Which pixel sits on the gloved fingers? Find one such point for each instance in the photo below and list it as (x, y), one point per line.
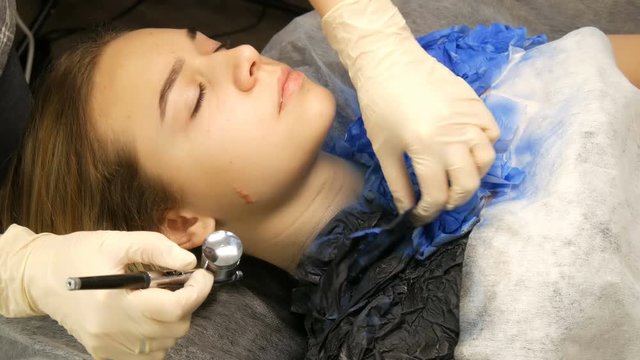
(156, 355)
(463, 175)
(168, 306)
(484, 155)
(151, 346)
(109, 351)
(143, 348)
(104, 347)
(152, 248)
(160, 329)
(489, 126)
(395, 172)
(433, 187)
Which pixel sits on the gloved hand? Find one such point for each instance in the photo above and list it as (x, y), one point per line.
(117, 324)
(411, 103)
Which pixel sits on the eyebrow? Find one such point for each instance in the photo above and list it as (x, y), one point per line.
(168, 84)
(172, 77)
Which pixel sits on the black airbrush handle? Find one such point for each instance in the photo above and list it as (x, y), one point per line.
(140, 280)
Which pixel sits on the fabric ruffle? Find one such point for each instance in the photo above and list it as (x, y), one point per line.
(479, 56)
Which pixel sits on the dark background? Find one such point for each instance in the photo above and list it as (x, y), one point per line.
(62, 23)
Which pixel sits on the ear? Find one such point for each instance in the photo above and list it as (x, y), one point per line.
(186, 228)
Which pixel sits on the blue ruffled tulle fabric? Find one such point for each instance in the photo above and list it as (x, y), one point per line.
(479, 56)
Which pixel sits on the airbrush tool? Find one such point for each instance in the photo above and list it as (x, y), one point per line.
(221, 252)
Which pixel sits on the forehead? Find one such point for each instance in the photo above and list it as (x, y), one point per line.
(129, 75)
(143, 40)
(141, 51)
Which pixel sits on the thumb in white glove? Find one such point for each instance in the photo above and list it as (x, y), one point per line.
(412, 104)
(119, 324)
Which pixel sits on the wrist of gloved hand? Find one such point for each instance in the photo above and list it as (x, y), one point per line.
(16, 246)
(366, 33)
(43, 280)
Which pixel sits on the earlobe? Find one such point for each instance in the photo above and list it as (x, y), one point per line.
(187, 229)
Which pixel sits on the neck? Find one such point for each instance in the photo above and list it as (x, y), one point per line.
(281, 237)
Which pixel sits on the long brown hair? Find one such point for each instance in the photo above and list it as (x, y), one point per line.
(65, 178)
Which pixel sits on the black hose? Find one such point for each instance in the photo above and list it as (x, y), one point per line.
(37, 23)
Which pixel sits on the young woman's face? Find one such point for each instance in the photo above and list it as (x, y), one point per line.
(228, 129)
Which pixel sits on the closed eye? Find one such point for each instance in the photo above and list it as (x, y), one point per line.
(201, 94)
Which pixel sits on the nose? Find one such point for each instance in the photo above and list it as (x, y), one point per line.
(247, 63)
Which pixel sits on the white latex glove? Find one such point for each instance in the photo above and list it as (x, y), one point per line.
(116, 324)
(411, 103)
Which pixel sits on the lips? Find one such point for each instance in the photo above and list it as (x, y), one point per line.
(288, 84)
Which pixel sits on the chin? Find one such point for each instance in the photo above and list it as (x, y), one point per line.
(323, 108)
(313, 116)
(318, 111)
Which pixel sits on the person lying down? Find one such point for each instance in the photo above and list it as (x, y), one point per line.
(166, 130)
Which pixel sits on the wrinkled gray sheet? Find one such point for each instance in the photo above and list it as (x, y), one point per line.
(552, 272)
(236, 323)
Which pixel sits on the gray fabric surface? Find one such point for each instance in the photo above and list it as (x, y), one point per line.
(236, 323)
(7, 29)
(233, 323)
(552, 272)
(554, 18)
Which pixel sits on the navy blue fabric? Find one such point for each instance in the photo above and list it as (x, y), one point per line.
(371, 284)
(366, 296)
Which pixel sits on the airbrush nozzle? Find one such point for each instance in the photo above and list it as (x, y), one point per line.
(221, 253)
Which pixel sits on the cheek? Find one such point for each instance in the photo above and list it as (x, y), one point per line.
(326, 108)
(314, 113)
(291, 146)
(247, 156)
(256, 164)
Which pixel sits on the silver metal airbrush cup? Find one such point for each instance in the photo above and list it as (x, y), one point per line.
(221, 253)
